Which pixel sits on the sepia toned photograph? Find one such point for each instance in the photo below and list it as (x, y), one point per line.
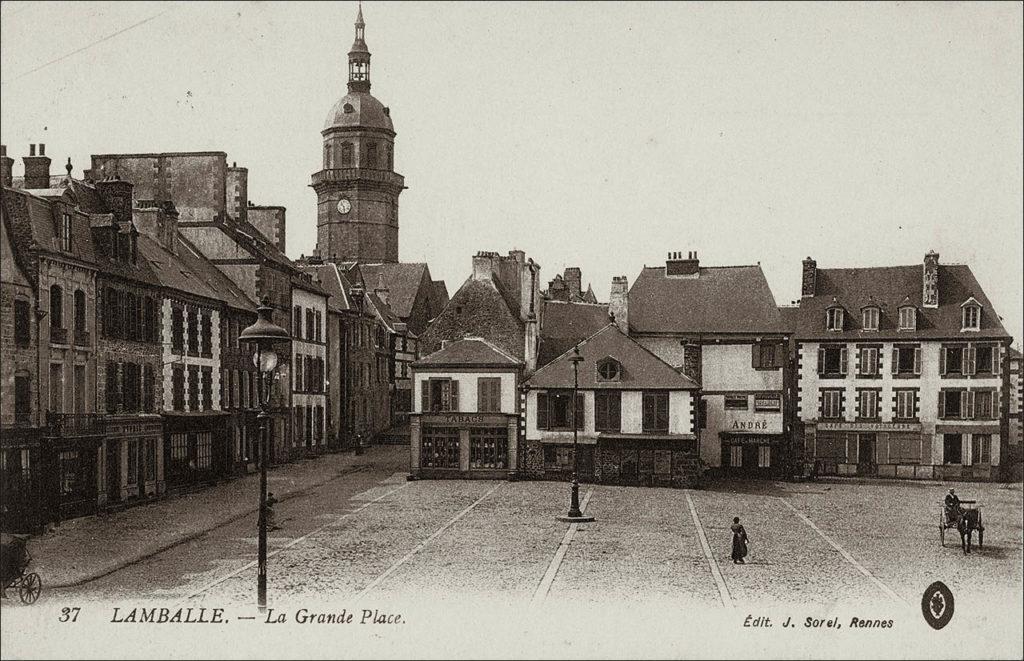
(653, 330)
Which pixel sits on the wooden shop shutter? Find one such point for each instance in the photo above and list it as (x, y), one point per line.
(542, 410)
(970, 359)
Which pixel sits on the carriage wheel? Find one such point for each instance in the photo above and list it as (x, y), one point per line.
(942, 528)
(29, 588)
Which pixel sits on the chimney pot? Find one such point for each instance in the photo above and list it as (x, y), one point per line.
(32, 150)
(42, 149)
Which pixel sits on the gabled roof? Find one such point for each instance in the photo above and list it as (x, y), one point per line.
(479, 308)
(470, 351)
(403, 281)
(333, 281)
(890, 287)
(190, 272)
(640, 368)
(564, 324)
(721, 299)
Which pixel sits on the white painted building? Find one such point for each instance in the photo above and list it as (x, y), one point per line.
(721, 327)
(901, 372)
(308, 372)
(465, 417)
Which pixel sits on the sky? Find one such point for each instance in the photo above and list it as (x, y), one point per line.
(598, 135)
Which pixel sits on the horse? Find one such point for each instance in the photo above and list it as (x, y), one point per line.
(969, 521)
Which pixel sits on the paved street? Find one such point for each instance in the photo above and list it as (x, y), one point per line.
(354, 532)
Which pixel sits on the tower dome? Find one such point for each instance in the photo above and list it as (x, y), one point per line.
(359, 109)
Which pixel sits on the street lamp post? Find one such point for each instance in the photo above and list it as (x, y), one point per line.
(575, 514)
(358, 294)
(266, 335)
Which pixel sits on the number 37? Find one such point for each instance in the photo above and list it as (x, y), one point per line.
(69, 614)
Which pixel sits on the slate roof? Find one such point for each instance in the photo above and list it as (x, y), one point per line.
(440, 295)
(403, 282)
(474, 351)
(889, 287)
(564, 324)
(333, 281)
(640, 368)
(190, 272)
(722, 299)
(33, 221)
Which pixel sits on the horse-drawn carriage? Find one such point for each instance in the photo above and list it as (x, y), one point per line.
(14, 560)
(965, 520)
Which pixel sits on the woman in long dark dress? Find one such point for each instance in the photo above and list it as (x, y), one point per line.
(739, 542)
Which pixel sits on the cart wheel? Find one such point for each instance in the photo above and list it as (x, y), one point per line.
(29, 588)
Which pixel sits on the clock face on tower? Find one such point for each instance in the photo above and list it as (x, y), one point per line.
(344, 206)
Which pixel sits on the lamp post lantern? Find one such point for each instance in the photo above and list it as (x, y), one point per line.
(575, 514)
(266, 335)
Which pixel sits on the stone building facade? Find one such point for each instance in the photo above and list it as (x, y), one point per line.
(309, 358)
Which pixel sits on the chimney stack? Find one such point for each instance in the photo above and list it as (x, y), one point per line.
(930, 292)
(6, 167)
(484, 265)
(677, 265)
(808, 278)
(37, 168)
(618, 302)
(574, 282)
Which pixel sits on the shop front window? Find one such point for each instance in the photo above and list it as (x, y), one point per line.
(488, 448)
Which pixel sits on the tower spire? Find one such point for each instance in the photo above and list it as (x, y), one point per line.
(359, 58)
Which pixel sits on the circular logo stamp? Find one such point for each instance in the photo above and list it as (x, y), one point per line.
(937, 605)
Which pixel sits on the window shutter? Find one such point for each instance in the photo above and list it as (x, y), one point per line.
(821, 361)
(879, 363)
(424, 396)
(542, 410)
(942, 360)
(895, 359)
(780, 354)
(917, 360)
(844, 355)
(967, 405)
(942, 404)
(455, 396)
(971, 360)
(996, 362)
(616, 411)
(755, 355)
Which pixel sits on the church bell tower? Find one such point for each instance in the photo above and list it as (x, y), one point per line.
(358, 188)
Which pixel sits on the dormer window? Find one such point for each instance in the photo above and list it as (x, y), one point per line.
(609, 369)
(869, 318)
(971, 315)
(908, 318)
(834, 318)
